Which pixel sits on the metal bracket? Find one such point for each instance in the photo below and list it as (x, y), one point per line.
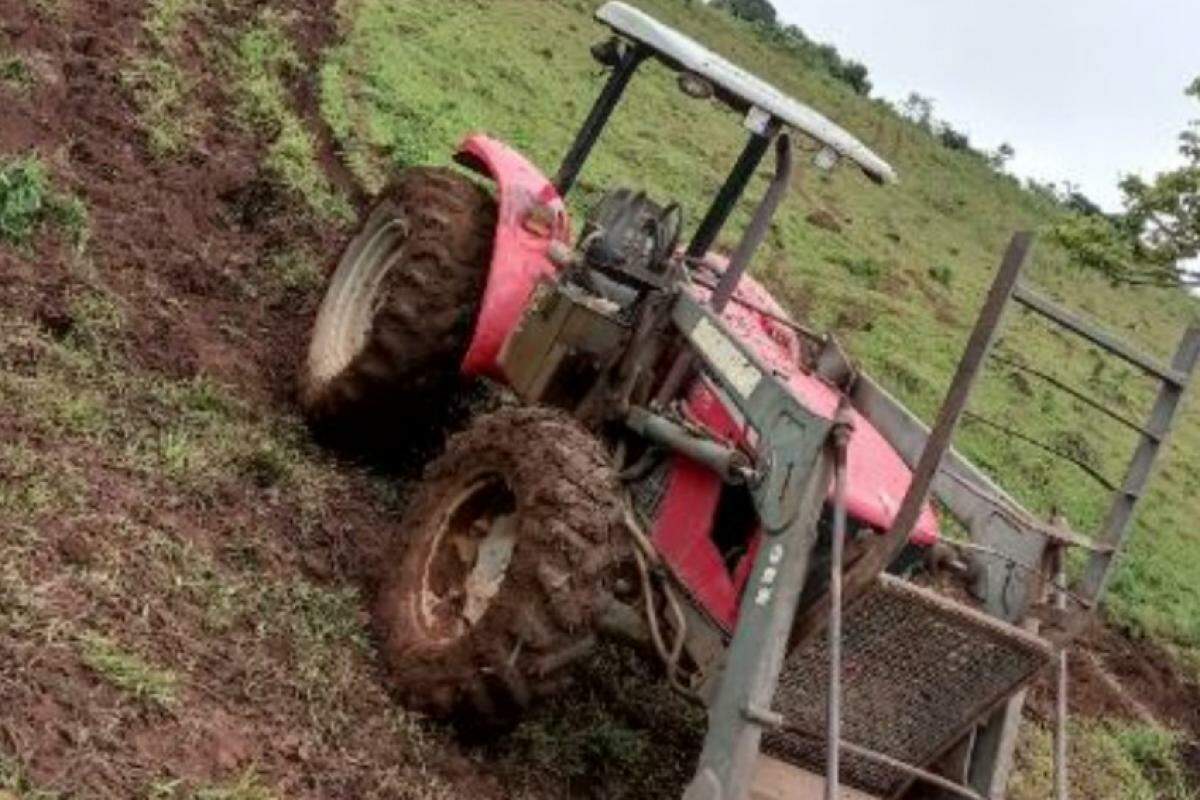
(789, 436)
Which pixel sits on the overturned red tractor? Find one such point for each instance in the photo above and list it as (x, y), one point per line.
(679, 464)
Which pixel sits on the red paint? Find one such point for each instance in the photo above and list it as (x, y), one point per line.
(682, 534)
(519, 259)
(877, 477)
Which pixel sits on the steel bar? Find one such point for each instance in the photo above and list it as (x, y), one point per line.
(1060, 716)
(1091, 471)
(885, 548)
(598, 118)
(754, 235)
(961, 486)
(755, 657)
(730, 464)
(995, 746)
(739, 177)
(978, 347)
(892, 763)
(833, 714)
(1120, 515)
(751, 240)
(1071, 390)
(801, 330)
(1096, 334)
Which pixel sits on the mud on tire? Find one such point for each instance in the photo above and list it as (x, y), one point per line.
(537, 475)
(397, 317)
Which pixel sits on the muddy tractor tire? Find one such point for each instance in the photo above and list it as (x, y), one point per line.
(492, 594)
(398, 315)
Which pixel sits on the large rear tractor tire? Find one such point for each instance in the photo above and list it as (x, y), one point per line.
(493, 592)
(400, 308)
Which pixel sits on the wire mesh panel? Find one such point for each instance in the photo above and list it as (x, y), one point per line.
(917, 671)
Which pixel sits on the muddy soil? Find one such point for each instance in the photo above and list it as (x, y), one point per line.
(177, 244)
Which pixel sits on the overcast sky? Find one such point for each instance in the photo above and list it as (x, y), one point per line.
(1085, 90)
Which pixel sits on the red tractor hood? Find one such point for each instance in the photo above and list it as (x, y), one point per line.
(877, 476)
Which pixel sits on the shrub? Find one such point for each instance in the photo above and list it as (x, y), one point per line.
(942, 274)
(27, 201)
(954, 139)
(750, 10)
(1094, 242)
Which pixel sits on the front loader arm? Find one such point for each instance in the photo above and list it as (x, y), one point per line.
(789, 483)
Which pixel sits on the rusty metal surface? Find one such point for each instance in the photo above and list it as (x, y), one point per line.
(918, 670)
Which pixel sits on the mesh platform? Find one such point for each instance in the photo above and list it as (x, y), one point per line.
(918, 670)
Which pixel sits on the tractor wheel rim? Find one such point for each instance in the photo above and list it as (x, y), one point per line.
(357, 299)
(468, 559)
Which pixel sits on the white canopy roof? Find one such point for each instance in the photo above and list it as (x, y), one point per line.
(681, 52)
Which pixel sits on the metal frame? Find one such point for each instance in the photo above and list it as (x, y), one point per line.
(731, 191)
(936, 445)
(1006, 534)
(1115, 531)
(629, 59)
(795, 466)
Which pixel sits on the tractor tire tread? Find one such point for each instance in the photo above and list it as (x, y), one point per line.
(427, 302)
(490, 672)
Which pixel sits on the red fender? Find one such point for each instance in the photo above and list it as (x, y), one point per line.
(531, 216)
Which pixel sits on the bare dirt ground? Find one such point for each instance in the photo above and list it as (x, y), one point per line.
(184, 573)
(176, 246)
(182, 617)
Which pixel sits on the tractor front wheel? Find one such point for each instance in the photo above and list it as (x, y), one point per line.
(494, 589)
(400, 308)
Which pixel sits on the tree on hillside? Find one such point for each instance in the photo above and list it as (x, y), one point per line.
(952, 138)
(751, 10)
(1003, 154)
(853, 74)
(1080, 203)
(821, 56)
(919, 109)
(1160, 229)
(1166, 212)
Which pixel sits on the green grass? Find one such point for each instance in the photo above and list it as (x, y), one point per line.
(258, 60)
(294, 271)
(263, 58)
(900, 284)
(247, 787)
(1107, 759)
(14, 785)
(14, 72)
(29, 203)
(162, 89)
(129, 672)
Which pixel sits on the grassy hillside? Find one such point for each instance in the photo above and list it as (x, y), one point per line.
(183, 573)
(901, 281)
